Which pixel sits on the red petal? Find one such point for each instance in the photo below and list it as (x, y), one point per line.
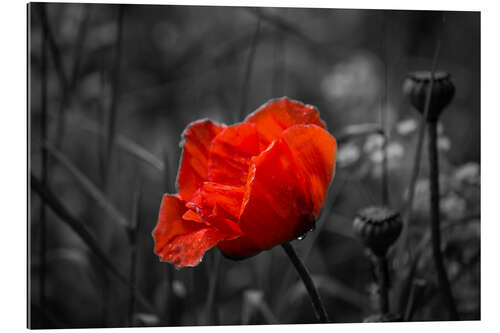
(192, 216)
(277, 115)
(314, 151)
(193, 170)
(239, 248)
(230, 154)
(285, 189)
(188, 249)
(219, 206)
(182, 242)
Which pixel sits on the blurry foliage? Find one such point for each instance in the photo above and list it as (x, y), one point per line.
(181, 63)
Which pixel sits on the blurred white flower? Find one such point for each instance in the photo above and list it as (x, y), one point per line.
(254, 297)
(453, 206)
(179, 289)
(406, 126)
(354, 78)
(395, 152)
(444, 143)
(348, 154)
(468, 173)
(373, 142)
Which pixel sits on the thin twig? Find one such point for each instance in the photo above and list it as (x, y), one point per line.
(383, 117)
(318, 306)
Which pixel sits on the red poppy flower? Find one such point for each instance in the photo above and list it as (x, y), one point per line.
(247, 187)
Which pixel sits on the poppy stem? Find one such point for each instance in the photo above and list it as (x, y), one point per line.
(304, 274)
(406, 246)
(383, 280)
(444, 282)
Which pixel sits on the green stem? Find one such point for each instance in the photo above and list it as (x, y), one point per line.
(318, 306)
(444, 283)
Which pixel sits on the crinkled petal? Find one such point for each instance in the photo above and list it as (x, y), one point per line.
(182, 242)
(193, 170)
(219, 206)
(285, 188)
(279, 114)
(230, 154)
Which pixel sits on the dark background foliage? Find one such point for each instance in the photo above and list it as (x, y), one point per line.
(111, 90)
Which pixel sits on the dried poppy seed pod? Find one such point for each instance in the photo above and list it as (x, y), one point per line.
(378, 228)
(443, 90)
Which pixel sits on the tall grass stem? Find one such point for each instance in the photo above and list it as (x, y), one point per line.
(44, 172)
(248, 71)
(444, 283)
(134, 244)
(115, 85)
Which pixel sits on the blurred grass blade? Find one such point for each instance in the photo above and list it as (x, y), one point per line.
(88, 186)
(115, 85)
(134, 233)
(122, 142)
(55, 50)
(208, 313)
(407, 290)
(44, 174)
(81, 230)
